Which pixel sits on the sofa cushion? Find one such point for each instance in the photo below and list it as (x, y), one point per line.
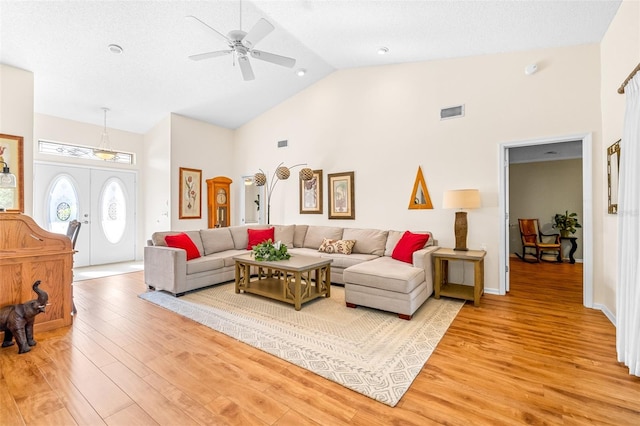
(408, 244)
(336, 246)
(316, 234)
(394, 237)
(183, 241)
(216, 239)
(257, 236)
(284, 234)
(204, 264)
(368, 241)
(385, 273)
(298, 235)
(158, 238)
(240, 237)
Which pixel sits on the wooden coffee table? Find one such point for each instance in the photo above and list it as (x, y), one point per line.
(295, 281)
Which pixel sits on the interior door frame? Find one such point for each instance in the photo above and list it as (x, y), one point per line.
(587, 209)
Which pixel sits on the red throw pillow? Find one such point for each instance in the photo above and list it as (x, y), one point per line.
(183, 241)
(257, 236)
(409, 243)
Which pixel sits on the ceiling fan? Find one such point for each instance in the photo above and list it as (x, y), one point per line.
(241, 45)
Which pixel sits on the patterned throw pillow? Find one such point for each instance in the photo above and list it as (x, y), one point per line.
(336, 246)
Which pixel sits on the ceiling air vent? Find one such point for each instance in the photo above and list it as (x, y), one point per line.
(282, 144)
(452, 112)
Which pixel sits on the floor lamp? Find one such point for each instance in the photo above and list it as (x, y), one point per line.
(461, 199)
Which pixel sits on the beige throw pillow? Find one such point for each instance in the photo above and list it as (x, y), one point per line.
(336, 246)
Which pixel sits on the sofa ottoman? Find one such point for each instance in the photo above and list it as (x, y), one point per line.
(387, 284)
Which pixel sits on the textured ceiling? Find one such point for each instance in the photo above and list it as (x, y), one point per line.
(64, 43)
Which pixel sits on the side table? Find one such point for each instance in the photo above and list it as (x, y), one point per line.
(442, 286)
(574, 247)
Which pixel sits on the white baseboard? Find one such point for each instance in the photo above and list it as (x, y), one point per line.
(607, 313)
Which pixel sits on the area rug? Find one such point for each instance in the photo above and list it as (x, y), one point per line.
(369, 351)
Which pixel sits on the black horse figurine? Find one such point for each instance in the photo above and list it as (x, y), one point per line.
(17, 320)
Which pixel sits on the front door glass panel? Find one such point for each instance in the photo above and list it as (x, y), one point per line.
(62, 204)
(113, 210)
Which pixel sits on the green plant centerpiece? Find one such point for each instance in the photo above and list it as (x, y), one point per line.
(566, 223)
(269, 251)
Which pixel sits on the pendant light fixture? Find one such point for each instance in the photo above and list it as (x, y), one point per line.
(104, 151)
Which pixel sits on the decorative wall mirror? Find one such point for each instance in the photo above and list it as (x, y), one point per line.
(613, 170)
(420, 198)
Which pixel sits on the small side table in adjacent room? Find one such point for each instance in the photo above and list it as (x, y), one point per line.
(574, 247)
(442, 286)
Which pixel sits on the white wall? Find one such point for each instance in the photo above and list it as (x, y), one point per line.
(16, 119)
(156, 161)
(383, 122)
(620, 53)
(203, 146)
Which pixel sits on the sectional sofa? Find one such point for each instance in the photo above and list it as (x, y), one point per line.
(370, 274)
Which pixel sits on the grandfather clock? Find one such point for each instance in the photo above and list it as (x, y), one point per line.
(218, 201)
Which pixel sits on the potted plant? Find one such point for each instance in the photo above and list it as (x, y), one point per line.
(270, 251)
(566, 223)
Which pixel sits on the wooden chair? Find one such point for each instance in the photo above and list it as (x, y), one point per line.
(534, 240)
(72, 231)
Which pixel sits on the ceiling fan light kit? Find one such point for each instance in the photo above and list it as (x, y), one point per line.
(241, 45)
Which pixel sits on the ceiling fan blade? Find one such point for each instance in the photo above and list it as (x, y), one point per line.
(201, 56)
(245, 67)
(257, 33)
(273, 58)
(218, 33)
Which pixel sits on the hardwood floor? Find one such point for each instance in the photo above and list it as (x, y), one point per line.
(535, 356)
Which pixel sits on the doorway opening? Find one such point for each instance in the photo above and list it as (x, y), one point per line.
(506, 219)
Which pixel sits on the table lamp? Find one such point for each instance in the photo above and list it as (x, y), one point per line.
(461, 199)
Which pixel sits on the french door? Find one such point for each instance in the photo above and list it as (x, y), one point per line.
(102, 200)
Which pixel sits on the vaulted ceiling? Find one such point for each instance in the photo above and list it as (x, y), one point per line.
(66, 45)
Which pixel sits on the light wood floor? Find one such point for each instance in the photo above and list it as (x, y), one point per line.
(535, 356)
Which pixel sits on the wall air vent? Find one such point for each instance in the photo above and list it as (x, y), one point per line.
(282, 144)
(452, 112)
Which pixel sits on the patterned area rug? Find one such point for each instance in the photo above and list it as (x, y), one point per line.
(369, 351)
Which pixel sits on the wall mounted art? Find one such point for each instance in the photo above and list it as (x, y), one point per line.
(311, 194)
(11, 152)
(190, 205)
(613, 170)
(420, 198)
(342, 196)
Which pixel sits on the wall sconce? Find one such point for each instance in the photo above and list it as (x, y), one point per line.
(7, 179)
(461, 199)
(281, 173)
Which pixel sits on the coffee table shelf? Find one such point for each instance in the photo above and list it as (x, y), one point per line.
(295, 281)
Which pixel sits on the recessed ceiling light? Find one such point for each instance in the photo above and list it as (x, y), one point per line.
(301, 72)
(114, 48)
(383, 51)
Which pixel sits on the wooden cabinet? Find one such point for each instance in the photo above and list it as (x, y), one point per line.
(219, 202)
(29, 253)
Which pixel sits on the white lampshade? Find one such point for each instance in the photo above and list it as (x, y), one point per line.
(461, 199)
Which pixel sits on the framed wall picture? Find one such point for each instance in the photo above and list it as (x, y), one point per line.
(190, 193)
(311, 194)
(11, 153)
(341, 196)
